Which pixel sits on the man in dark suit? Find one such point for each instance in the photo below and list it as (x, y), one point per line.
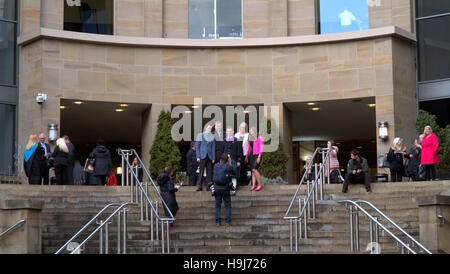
(206, 154)
(44, 166)
(192, 165)
(219, 137)
(70, 160)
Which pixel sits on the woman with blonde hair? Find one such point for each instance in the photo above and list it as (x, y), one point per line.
(33, 157)
(61, 156)
(242, 140)
(395, 159)
(253, 157)
(429, 155)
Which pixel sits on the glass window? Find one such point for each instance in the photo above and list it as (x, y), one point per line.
(229, 19)
(90, 16)
(7, 116)
(343, 15)
(204, 23)
(432, 7)
(434, 48)
(7, 52)
(201, 19)
(8, 9)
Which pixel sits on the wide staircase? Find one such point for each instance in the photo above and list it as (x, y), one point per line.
(257, 218)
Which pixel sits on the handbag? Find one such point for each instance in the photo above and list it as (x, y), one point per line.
(50, 162)
(421, 173)
(88, 167)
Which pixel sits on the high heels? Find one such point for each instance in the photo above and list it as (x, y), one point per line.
(253, 188)
(259, 188)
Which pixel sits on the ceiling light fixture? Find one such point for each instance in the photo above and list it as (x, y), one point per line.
(78, 102)
(62, 107)
(311, 104)
(315, 109)
(371, 105)
(123, 105)
(119, 110)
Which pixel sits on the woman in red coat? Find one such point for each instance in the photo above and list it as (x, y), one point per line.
(429, 155)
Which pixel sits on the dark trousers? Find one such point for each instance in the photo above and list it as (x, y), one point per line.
(193, 179)
(44, 173)
(204, 163)
(34, 180)
(358, 178)
(396, 175)
(70, 174)
(430, 172)
(61, 175)
(222, 194)
(102, 179)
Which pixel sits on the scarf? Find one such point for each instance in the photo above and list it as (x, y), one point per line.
(29, 152)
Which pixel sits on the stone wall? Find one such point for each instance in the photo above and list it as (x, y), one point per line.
(238, 75)
(261, 18)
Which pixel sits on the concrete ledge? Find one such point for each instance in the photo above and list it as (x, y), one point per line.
(20, 204)
(43, 33)
(433, 200)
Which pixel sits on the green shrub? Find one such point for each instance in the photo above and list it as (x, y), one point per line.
(273, 164)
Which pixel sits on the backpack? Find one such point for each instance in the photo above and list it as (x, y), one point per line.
(221, 175)
(334, 177)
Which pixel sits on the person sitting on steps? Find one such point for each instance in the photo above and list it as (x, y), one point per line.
(357, 171)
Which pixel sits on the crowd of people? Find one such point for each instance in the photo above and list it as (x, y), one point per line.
(38, 159)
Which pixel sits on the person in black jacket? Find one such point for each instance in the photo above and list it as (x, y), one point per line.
(395, 159)
(233, 149)
(45, 161)
(61, 156)
(102, 162)
(168, 189)
(219, 137)
(32, 162)
(192, 165)
(412, 169)
(70, 159)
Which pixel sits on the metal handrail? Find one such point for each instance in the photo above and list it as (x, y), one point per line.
(13, 227)
(301, 183)
(101, 225)
(319, 176)
(378, 223)
(394, 224)
(86, 225)
(120, 151)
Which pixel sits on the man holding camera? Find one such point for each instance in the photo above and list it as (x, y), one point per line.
(221, 188)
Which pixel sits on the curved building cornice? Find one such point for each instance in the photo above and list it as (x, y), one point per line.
(45, 33)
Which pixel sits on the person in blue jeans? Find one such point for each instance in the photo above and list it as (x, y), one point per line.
(221, 180)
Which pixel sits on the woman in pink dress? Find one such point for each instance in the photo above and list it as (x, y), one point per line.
(253, 157)
(429, 157)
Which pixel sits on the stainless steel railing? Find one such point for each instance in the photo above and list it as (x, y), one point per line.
(140, 195)
(375, 224)
(307, 205)
(103, 223)
(12, 228)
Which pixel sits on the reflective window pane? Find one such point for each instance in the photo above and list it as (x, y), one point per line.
(7, 116)
(201, 19)
(343, 15)
(432, 7)
(7, 53)
(8, 9)
(229, 18)
(434, 48)
(89, 16)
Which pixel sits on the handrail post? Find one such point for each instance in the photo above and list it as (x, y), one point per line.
(304, 216)
(351, 227)
(118, 232)
(100, 234)
(357, 229)
(146, 204)
(290, 234)
(124, 231)
(151, 225)
(107, 237)
(142, 206)
(168, 235)
(307, 193)
(162, 236)
(157, 221)
(371, 230)
(376, 231)
(300, 217)
(123, 169)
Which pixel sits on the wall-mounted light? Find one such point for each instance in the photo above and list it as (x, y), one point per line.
(119, 171)
(52, 132)
(383, 132)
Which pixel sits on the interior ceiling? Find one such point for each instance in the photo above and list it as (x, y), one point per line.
(86, 123)
(336, 120)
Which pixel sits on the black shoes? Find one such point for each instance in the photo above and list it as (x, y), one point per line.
(199, 189)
